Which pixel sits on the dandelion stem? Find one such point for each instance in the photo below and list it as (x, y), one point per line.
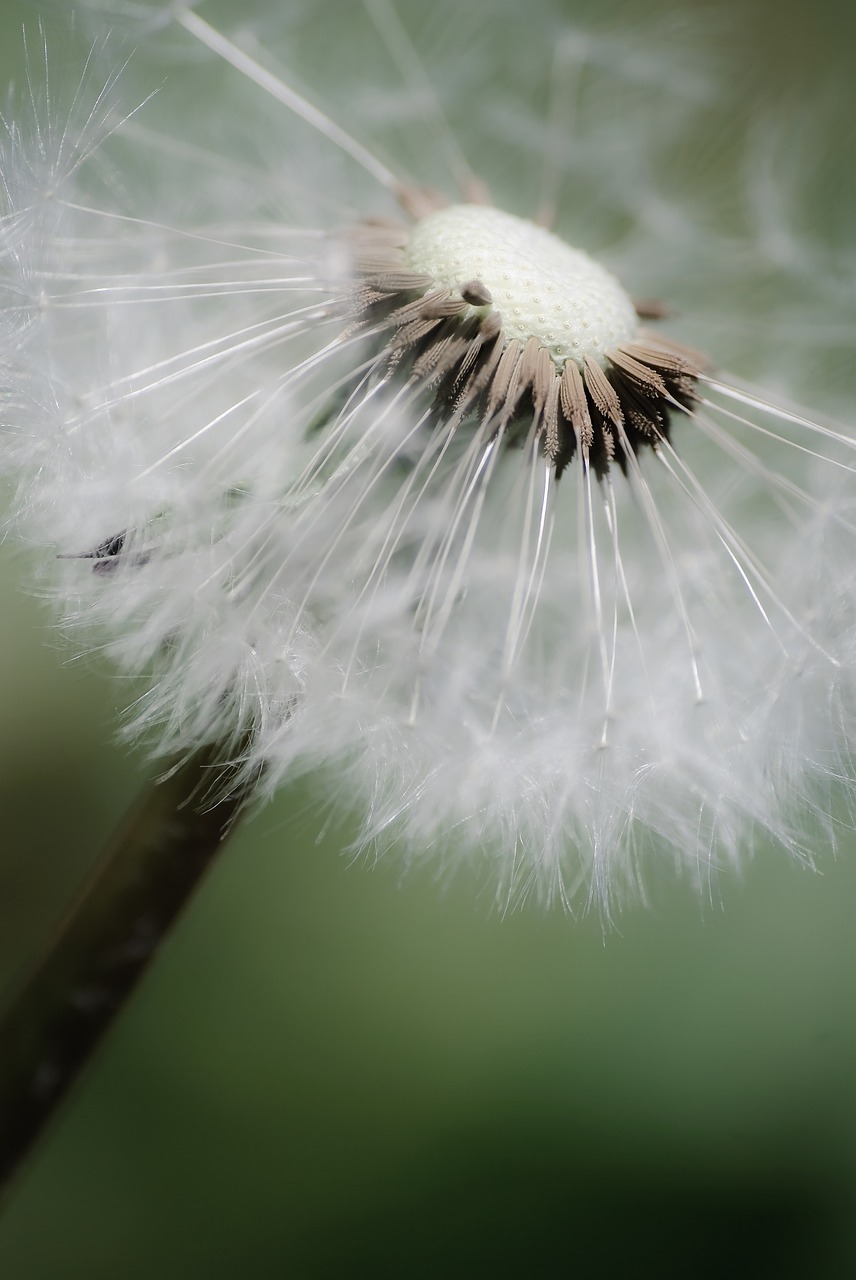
(104, 945)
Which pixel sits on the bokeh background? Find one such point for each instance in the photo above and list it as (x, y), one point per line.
(333, 1070)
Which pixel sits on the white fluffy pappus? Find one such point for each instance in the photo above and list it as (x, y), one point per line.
(350, 465)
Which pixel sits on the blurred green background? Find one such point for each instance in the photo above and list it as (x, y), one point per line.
(334, 1072)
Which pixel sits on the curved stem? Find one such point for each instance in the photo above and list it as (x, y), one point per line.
(103, 946)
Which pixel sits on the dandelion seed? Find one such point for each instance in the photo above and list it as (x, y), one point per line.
(423, 500)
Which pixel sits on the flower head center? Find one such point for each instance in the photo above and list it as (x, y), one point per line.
(542, 288)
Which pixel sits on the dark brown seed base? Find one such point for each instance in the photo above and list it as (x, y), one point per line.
(451, 343)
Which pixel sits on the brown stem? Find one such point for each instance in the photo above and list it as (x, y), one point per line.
(102, 948)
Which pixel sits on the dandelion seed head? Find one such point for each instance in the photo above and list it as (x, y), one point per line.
(408, 497)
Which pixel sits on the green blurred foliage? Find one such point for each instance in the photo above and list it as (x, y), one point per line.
(331, 1072)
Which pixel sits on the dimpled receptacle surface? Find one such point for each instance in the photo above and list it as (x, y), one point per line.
(541, 286)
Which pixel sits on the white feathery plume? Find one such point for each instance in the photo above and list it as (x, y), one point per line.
(400, 488)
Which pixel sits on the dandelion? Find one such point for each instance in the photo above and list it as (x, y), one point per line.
(415, 498)
(372, 475)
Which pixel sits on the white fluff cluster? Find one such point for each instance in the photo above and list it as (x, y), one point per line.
(244, 504)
